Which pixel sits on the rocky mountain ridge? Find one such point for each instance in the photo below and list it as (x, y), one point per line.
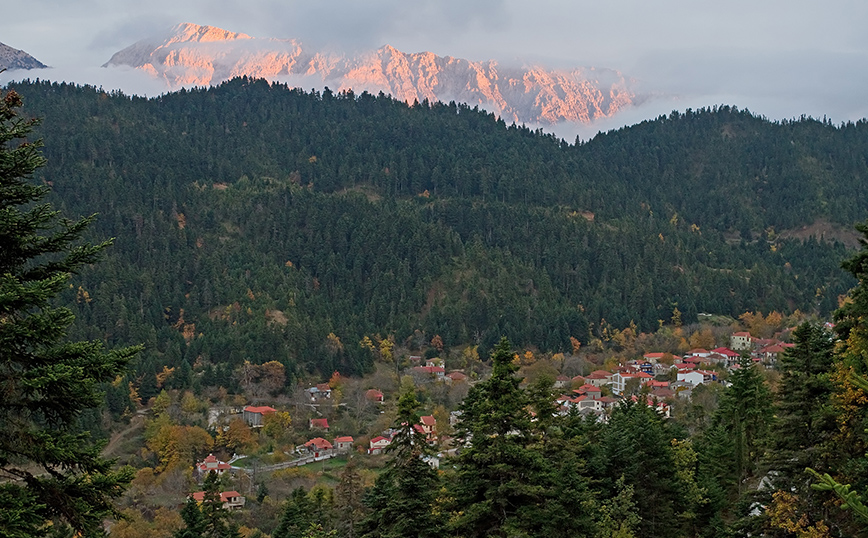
(190, 55)
(12, 58)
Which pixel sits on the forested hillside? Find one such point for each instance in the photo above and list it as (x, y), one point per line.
(253, 220)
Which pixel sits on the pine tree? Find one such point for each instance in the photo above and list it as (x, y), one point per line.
(805, 423)
(297, 516)
(746, 414)
(194, 522)
(402, 502)
(498, 473)
(49, 471)
(850, 480)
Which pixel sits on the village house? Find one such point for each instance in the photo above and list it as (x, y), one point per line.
(378, 445)
(319, 424)
(598, 378)
(319, 392)
(697, 377)
(456, 377)
(620, 379)
(318, 447)
(654, 358)
(731, 357)
(591, 391)
(427, 424)
(769, 354)
(253, 415)
(653, 384)
(562, 382)
(582, 403)
(232, 500)
(211, 463)
(428, 373)
(741, 341)
(343, 444)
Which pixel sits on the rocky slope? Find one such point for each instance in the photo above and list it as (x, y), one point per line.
(11, 58)
(189, 54)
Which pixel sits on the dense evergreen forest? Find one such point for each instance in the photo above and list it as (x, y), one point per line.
(253, 220)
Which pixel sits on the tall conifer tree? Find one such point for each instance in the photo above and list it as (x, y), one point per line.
(49, 470)
(402, 501)
(498, 475)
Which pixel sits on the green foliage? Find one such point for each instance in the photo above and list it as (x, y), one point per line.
(745, 415)
(51, 471)
(211, 192)
(497, 477)
(403, 499)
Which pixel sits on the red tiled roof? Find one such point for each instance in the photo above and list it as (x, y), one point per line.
(344, 439)
(319, 423)
(428, 420)
(429, 369)
(262, 410)
(224, 496)
(320, 443)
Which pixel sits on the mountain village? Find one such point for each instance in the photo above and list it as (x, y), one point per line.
(659, 379)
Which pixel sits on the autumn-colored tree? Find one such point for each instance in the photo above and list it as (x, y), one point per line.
(176, 445)
(676, 317)
(276, 425)
(160, 403)
(386, 346)
(366, 343)
(190, 404)
(703, 338)
(576, 345)
(784, 515)
(165, 522)
(334, 345)
(237, 437)
(164, 375)
(437, 343)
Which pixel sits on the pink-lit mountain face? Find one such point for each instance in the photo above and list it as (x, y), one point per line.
(201, 55)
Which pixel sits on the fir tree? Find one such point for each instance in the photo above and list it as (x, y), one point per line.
(498, 473)
(402, 502)
(297, 516)
(805, 424)
(194, 522)
(49, 471)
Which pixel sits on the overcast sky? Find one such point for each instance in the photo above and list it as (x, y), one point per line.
(778, 58)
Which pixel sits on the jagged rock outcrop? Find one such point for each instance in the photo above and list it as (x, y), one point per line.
(11, 58)
(200, 55)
